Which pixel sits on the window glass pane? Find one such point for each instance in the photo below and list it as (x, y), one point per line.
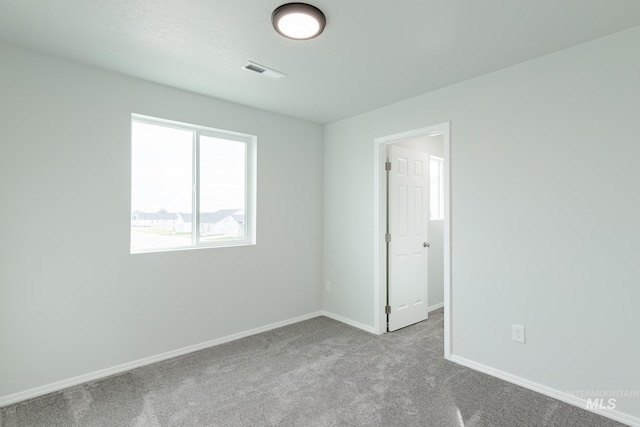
(161, 187)
(222, 189)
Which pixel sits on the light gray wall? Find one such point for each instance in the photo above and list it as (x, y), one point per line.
(433, 145)
(545, 212)
(72, 298)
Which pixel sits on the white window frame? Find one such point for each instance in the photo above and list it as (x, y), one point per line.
(440, 211)
(250, 182)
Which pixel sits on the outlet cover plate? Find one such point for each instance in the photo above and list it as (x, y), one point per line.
(518, 333)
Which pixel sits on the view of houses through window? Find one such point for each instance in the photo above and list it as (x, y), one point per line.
(189, 186)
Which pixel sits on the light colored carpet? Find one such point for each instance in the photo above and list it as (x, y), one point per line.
(314, 373)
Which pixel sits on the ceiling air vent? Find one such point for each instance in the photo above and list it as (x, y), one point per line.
(261, 69)
(252, 67)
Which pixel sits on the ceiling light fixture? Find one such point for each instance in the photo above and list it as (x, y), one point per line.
(298, 21)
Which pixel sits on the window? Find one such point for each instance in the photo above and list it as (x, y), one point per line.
(190, 186)
(436, 175)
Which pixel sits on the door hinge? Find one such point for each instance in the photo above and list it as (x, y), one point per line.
(387, 166)
(387, 237)
(387, 309)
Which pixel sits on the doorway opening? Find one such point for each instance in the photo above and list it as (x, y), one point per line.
(423, 152)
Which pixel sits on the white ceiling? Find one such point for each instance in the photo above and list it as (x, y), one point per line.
(372, 53)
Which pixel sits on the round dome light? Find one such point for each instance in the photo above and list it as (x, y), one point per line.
(298, 21)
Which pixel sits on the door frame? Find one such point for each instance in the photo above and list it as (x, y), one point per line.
(380, 188)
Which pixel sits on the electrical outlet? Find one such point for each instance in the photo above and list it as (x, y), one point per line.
(327, 285)
(518, 334)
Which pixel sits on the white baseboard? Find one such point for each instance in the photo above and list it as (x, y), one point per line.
(350, 322)
(435, 307)
(49, 388)
(548, 391)
(364, 327)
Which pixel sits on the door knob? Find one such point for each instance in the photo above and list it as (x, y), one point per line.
(426, 245)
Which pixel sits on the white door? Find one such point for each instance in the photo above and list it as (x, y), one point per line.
(408, 222)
